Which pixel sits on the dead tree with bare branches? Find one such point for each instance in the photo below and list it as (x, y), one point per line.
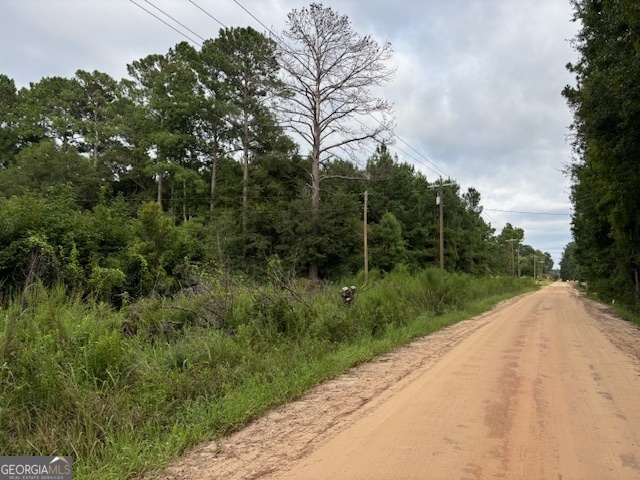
(330, 72)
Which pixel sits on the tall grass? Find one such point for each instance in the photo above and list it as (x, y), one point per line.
(124, 391)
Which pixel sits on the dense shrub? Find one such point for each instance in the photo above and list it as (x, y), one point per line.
(77, 377)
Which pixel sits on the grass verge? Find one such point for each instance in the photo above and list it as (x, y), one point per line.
(126, 391)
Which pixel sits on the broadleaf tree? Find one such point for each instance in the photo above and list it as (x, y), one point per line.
(605, 102)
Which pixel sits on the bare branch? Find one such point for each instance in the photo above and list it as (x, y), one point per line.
(329, 70)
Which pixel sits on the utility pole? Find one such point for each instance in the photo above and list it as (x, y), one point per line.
(511, 240)
(440, 201)
(366, 245)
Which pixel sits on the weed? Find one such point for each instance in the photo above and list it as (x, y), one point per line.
(124, 391)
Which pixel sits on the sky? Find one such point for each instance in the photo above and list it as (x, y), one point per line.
(476, 94)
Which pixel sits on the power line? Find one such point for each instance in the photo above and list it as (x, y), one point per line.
(283, 43)
(439, 172)
(275, 121)
(529, 213)
(487, 216)
(226, 120)
(167, 24)
(418, 161)
(258, 20)
(429, 161)
(172, 18)
(403, 151)
(207, 13)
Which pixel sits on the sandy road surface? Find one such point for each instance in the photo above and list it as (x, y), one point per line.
(546, 386)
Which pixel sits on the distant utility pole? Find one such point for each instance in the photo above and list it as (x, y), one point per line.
(366, 246)
(440, 201)
(513, 273)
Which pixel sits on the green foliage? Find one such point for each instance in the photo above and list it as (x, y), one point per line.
(104, 281)
(569, 269)
(400, 190)
(117, 188)
(387, 244)
(36, 237)
(8, 126)
(152, 235)
(163, 374)
(606, 105)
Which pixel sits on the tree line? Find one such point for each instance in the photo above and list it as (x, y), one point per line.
(122, 188)
(605, 102)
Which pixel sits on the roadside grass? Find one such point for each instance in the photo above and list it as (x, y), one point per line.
(124, 392)
(623, 311)
(627, 313)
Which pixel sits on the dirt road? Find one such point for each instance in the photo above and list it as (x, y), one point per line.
(546, 386)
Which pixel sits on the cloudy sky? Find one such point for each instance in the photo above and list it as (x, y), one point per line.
(476, 93)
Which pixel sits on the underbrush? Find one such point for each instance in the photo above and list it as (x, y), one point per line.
(629, 310)
(125, 391)
(630, 314)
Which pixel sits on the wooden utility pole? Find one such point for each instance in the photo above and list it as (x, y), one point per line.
(366, 245)
(440, 201)
(513, 260)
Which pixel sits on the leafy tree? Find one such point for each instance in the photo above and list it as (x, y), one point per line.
(606, 105)
(154, 251)
(473, 245)
(82, 159)
(8, 135)
(528, 255)
(569, 269)
(37, 237)
(250, 67)
(50, 109)
(44, 166)
(165, 93)
(277, 180)
(397, 188)
(98, 113)
(504, 250)
(213, 128)
(329, 71)
(387, 244)
(548, 262)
